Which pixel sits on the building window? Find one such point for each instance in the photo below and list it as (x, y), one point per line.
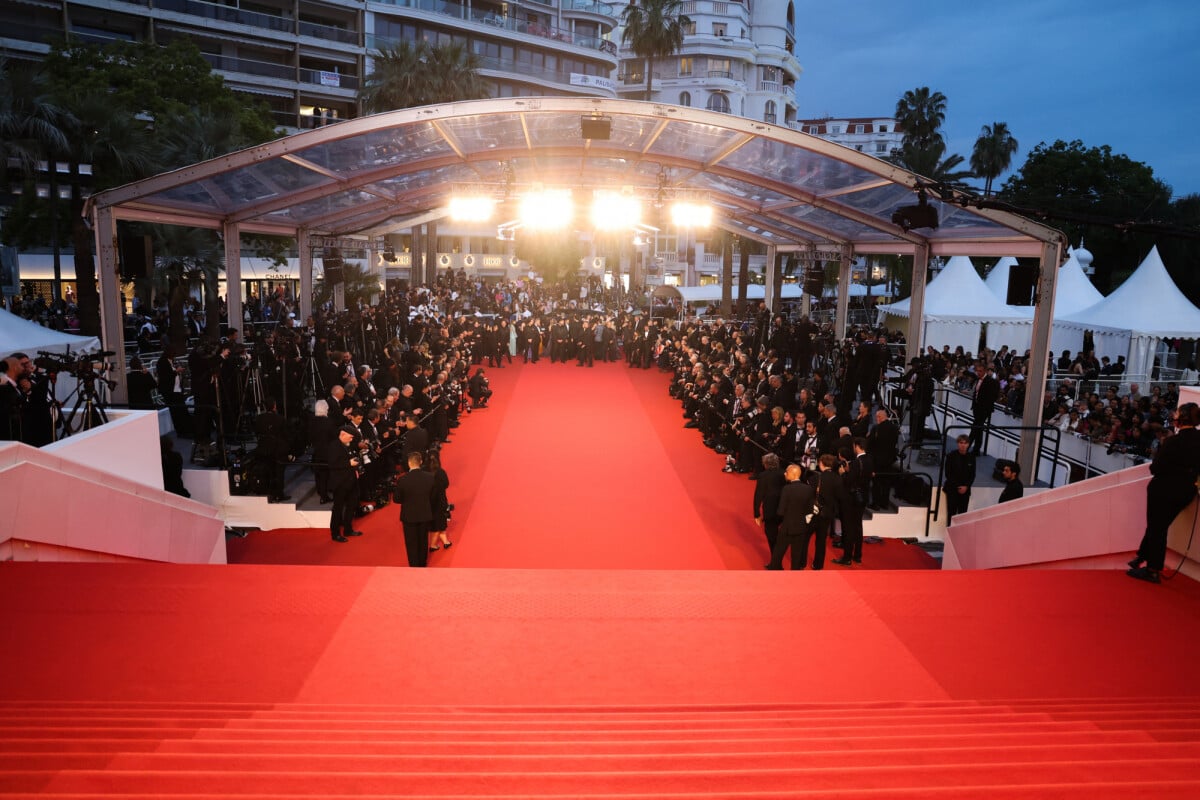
(685, 99)
(860, 129)
(720, 68)
(883, 128)
(718, 28)
(881, 147)
(770, 73)
(858, 147)
(690, 28)
(718, 102)
(685, 66)
(769, 116)
(835, 129)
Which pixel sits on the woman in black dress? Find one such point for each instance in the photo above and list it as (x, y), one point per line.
(438, 538)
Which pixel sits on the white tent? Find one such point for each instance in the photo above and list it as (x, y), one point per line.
(957, 304)
(21, 335)
(860, 290)
(1149, 306)
(997, 279)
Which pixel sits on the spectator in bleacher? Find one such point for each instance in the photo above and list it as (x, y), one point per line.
(1172, 487)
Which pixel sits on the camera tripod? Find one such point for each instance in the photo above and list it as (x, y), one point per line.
(89, 402)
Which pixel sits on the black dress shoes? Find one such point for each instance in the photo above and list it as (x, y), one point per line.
(337, 537)
(1144, 574)
(1136, 562)
(845, 562)
(354, 533)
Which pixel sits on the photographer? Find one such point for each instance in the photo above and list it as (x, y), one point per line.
(140, 386)
(478, 389)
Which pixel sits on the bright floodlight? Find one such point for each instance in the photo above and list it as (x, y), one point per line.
(472, 208)
(547, 210)
(691, 215)
(614, 211)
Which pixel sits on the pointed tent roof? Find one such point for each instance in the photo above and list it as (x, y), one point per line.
(17, 334)
(957, 292)
(1075, 291)
(1147, 303)
(997, 279)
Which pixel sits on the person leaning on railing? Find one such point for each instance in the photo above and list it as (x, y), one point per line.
(1172, 487)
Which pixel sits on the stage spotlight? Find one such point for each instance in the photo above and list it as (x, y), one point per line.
(471, 208)
(595, 127)
(922, 215)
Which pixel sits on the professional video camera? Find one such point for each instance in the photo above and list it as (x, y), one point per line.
(84, 369)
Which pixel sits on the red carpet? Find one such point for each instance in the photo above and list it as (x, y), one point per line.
(575, 468)
(297, 681)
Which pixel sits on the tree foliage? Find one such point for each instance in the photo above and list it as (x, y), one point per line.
(654, 29)
(126, 110)
(1088, 193)
(993, 153)
(410, 74)
(921, 114)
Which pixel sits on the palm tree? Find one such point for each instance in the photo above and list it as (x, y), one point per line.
(189, 256)
(30, 121)
(933, 163)
(653, 29)
(993, 153)
(454, 71)
(921, 114)
(117, 146)
(410, 74)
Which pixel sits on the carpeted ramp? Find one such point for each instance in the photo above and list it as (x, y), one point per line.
(271, 682)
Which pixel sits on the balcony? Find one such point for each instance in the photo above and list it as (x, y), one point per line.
(508, 23)
(591, 7)
(220, 13)
(329, 33)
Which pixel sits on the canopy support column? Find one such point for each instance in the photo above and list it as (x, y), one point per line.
(306, 274)
(916, 303)
(233, 275)
(1039, 362)
(845, 278)
(771, 289)
(112, 318)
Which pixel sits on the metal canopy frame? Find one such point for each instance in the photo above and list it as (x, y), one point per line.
(790, 191)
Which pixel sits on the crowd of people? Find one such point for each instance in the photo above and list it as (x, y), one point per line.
(374, 392)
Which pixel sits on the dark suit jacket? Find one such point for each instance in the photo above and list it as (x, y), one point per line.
(883, 444)
(832, 494)
(858, 474)
(766, 493)
(985, 399)
(959, 471)
(342, 476)
(414, 493)
(795, 503)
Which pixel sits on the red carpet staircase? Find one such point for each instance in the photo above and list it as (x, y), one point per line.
(1044, 748)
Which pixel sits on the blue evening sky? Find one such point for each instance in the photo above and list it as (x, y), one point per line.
(1125, 74)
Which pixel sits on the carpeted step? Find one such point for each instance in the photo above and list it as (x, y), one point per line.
(348, 760)
(1111, 773)
(1148, 790)
(510, 745)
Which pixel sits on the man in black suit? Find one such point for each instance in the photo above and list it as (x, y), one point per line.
(343, 464)
(414, 494)
(987, 392)
(767, 490)
(959, 476)
(883, 445)
(271, 449)
(796, 503)
(859, 471)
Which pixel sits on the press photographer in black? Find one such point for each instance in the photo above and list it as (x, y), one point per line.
(1172, 487)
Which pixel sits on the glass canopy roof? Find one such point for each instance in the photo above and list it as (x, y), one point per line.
(368, 175)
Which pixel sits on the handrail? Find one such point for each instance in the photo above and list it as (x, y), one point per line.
(929, 512)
